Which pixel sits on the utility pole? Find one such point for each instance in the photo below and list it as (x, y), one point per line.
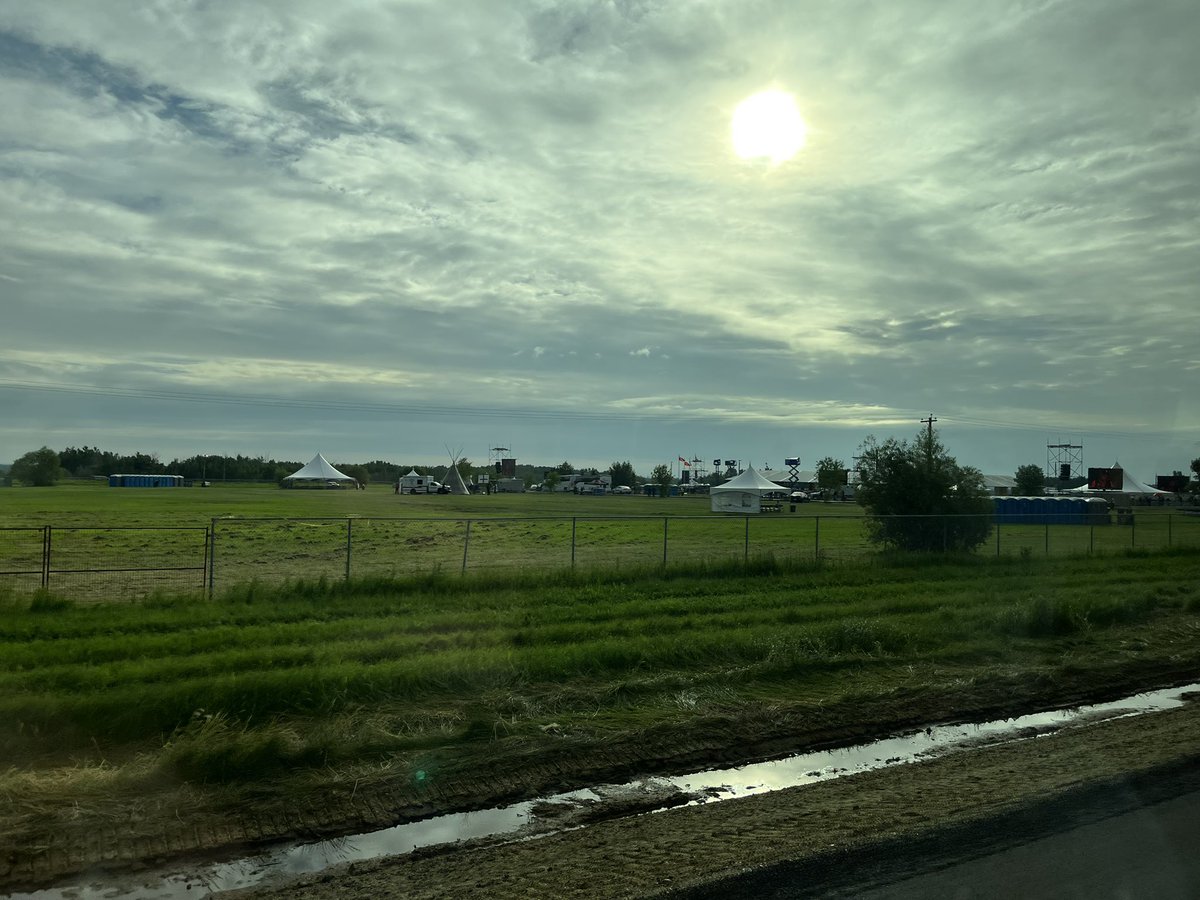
(929, 443)
(929, 422)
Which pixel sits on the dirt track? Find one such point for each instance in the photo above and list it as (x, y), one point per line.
(817, 835)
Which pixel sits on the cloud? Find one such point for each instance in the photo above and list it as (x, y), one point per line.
(995, 211)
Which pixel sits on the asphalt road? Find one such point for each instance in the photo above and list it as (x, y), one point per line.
(1153, 852)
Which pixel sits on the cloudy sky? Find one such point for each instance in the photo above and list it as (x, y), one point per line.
(378, 228)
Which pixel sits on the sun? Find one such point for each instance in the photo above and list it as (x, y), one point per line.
(767, 125)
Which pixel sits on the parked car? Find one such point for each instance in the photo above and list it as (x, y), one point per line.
(798, 497)
(622, 489)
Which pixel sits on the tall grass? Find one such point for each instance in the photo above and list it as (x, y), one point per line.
(251, 681)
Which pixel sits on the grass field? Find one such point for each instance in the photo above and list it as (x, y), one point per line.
(267, 695)
(110, 544)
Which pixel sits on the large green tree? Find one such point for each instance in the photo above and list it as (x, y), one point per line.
(1030, 480)
(39, 468)
(661, 475)
(831, 475)
(919, 498)
(622, 474)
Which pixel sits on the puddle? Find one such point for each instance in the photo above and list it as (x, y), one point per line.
(549, 815)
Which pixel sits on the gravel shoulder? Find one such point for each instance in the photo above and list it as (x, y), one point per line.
(832, 838)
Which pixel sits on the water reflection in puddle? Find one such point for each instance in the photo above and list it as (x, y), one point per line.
(517, 819)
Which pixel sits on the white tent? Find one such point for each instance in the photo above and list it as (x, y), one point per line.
(1129, 485)
(319, 469)
(743, 494)
(453, 481)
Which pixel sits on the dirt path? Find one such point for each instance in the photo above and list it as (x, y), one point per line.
(812, 835)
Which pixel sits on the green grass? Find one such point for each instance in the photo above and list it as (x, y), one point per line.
(269, 678)
(274, 535)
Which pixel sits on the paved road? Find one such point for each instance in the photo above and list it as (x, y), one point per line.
(1153, 852)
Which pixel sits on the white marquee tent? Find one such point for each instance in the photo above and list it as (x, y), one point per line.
(319, 469)
(1129, 485)
(742, 494)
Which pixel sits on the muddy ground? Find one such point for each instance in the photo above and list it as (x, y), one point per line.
(186, 824)
(833, 838)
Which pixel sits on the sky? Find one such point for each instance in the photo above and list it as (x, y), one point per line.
(385, 230)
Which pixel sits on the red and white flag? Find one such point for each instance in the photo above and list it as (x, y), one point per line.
(685, 462)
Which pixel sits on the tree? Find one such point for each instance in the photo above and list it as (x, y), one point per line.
(831, 475)
(39, 468)
(1194, 487)
(661, 475)
(564, 468)
(622, 474)
(552, 480)
(919, 498)
(1031, 481)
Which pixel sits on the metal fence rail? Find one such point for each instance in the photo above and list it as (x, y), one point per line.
(125, 563)
(103, 563)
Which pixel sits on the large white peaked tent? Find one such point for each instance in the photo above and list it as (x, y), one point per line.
(1129, 485)
(743, 494)
(319, 469)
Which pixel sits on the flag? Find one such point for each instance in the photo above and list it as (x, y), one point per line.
(684, 461)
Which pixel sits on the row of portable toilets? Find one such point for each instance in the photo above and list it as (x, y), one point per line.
(1051, 510)
(145, 481)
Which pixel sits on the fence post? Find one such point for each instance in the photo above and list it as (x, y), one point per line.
(665, 521)
(1046, 525)
(746, 549)
(817, 541)
(349, 532)
(1170, 516)
(1132, 531)
(945, 535)
(204, 570)
(997, 539)
(1091, 540)
(212, 554)
(46, 557)
(466, 545)
(574, 522)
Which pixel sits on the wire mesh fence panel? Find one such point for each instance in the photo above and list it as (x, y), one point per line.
(111, 564)
(277, 550)
(784, 538)
(691, 541)
(516, 544)
(1112, 538)
(1150, 532)
(1022, 539)
(618, 543)
(1075, 539)
(404, 547)
(1185, 530)
(842, 537)
(21, 553)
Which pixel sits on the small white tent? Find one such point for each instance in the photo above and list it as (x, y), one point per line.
(743, 494)
(318, 469)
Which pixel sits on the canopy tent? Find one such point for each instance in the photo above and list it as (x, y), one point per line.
(1129, 485)
(319, 470)
(743, 494)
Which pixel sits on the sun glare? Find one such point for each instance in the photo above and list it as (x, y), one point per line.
(767, 125)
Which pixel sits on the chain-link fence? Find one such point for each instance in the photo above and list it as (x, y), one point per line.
(98, 563)
(104, 564)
